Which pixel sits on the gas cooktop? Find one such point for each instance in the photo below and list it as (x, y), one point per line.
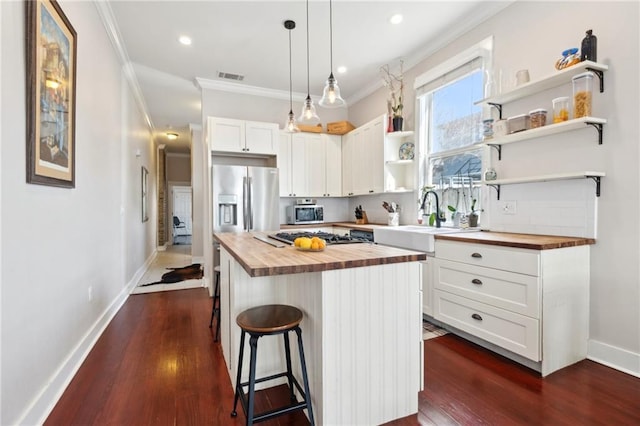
(289, 237)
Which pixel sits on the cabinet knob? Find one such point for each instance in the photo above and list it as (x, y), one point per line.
(476, 317)
(371, 191)
(476, 281)
(476, 255)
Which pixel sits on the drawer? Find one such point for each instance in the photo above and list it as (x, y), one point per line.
(518, 293)
(514, 332)
(518, 260)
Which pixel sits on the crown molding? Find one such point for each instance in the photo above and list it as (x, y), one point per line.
(110, 25)
(244, 89)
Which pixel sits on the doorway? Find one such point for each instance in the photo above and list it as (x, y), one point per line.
(181, 219)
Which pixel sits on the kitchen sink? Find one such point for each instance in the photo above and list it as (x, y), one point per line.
(413, 237)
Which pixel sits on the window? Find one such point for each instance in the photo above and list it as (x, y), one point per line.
(450, 129)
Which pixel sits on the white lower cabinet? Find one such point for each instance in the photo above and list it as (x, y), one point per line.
(532, 303)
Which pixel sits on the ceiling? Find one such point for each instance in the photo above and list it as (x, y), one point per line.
(248, 38)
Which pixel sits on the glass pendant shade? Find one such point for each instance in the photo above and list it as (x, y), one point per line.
(291, 126)
(331, 95)
(308, 115)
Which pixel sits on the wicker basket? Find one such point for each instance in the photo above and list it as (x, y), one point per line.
(339, 127)
(310, 129)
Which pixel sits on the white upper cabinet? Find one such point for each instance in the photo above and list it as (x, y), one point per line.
(364, 159)
(310, 165)
(240, 136)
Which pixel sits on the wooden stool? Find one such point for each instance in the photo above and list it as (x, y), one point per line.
(215, 310)
(262, 321)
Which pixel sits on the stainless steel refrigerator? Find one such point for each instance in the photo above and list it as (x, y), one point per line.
(245, 198)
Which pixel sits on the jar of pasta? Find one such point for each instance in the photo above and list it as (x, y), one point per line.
(582, 90)
(560, 109)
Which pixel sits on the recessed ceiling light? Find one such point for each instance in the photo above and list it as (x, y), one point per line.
(185, 40)
(342, 70)
(396, 19)
(172, 136)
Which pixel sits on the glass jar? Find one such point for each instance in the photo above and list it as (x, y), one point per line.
(582, 91)
(560, 109)
(538, 117)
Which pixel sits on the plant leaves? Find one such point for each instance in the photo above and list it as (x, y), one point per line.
(432, 219)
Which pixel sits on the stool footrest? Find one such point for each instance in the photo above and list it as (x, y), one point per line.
(277, 411)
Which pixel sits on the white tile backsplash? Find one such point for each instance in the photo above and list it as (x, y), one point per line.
(550, 208)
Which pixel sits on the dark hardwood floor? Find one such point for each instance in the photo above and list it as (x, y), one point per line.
(157, 364)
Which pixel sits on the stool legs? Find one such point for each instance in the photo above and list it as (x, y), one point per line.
(305, 380)
(234, 413)
(215, 310)
(248, 404)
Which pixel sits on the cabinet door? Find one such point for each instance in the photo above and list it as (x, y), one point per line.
(284, 164)
(375, 148)
(427, 287)
(226, 134)
(347, 164)
(333, 156)
(360, 161)
(315, 165)
(261, 138)
(299, 183)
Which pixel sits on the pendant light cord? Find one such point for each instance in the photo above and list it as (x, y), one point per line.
(331, 34)
(290, 83)
(308, 87)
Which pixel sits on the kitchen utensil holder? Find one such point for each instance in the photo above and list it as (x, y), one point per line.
(363, 220)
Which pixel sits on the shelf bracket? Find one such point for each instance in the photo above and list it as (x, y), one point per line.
(498, 107)
(596, 179)
(497, 148)
(598, 127)
(495, 186)
(600, 75)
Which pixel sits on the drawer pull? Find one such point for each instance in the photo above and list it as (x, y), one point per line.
(476, 281)
(476, 255)
(476, 317)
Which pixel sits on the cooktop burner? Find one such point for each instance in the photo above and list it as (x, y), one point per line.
(289, 237)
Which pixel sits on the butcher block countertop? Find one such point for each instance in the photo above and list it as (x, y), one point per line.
(260, 259)
(526, 241)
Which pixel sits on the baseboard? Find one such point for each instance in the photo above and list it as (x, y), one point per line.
(45, 401)
(614, 357)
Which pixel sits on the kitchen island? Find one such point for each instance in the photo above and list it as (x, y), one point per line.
(362, 327)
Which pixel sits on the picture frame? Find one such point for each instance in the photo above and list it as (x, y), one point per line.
(51, 56)
(145, 177)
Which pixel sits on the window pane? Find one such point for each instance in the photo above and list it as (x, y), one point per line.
(455, 120)
(456, 169)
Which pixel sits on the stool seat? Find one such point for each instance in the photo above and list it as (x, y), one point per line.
(269, 319)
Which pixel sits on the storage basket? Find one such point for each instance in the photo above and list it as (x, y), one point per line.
(340, 127)
(310, 129)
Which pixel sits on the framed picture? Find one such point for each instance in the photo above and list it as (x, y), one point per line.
(145, 174)
(51, 94)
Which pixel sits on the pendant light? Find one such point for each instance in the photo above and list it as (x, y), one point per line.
(308, 115)
(331, 95)
(290, 126)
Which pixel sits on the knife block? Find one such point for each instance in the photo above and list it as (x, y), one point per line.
(364, 219)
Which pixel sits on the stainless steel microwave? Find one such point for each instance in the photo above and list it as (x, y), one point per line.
(307, 213)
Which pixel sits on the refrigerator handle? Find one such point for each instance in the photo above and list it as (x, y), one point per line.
(245, 204)
(250, 202)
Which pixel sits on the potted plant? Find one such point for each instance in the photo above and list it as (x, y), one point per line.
(395, 84)
(473, 216)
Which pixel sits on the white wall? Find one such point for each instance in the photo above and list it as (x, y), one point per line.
(57, 243)
(532, 35)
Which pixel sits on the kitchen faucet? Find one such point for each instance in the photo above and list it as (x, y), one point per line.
(424, 199)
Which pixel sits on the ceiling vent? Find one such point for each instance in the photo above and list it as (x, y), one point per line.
(229, 76)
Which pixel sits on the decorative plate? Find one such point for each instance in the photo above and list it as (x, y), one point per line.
(406, 151)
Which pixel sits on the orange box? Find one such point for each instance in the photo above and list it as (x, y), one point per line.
(310, 129)
(340, 127)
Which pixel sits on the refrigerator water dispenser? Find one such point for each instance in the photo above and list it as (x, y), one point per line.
(227, 210)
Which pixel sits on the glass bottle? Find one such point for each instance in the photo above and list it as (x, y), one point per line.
(589, 48)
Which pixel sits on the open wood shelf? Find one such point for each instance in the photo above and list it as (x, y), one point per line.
(496, 184)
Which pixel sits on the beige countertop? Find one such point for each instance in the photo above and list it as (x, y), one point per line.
(526, 241)
(261, 259)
